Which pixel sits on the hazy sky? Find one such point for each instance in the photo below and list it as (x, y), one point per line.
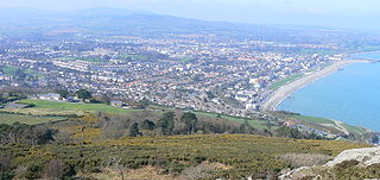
(345, 13)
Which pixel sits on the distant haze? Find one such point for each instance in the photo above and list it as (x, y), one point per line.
(356, 14)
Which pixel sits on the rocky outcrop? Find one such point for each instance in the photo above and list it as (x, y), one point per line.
(367, 158)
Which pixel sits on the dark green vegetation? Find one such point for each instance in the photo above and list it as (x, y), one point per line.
(83, 94)
(10, 97)
(25, 134)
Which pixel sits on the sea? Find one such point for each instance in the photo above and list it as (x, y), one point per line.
(351, 95)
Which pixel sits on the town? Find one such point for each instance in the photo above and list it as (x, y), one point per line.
(200, 72)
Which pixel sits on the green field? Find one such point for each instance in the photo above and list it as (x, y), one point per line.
(135, 57)
(285, 81)
(8, 70)
(6, 118)
(350, 128)
(51, 107)
(186, 59)
(327, 123)
(356, 129)
(313, 119)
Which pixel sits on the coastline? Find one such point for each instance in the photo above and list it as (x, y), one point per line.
(279, 95)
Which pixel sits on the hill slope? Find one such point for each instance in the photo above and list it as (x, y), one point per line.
(175, 157)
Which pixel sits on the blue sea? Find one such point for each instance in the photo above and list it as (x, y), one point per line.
(351, 95)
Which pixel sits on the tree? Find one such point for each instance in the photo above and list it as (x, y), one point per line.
(289, 132)
(63, 93)
(2, 99)
(246, 128)
(190, 120)
(83, 94)
(25, 134)
(166, 123)
(147, 124)
(134, 130)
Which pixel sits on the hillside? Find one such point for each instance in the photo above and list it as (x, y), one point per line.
(175, 157)
(97, 141)
(275, 123)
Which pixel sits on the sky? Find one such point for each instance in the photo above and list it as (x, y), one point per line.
(339, 13)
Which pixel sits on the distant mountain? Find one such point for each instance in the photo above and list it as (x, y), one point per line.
(104, 21)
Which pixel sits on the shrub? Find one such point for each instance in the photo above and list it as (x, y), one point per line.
(134, 130)
(25, 134)
(148, 125)
(5, 167)
(54, 169)
(347, 164)
(34, 171)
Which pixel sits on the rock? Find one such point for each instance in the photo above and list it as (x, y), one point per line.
(298, 173)
(356, 157)
(365, 157)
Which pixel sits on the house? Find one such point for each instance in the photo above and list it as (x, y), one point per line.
(3, 77)
(72, 99)
(117, 103)
(50, 97)
(251, 107)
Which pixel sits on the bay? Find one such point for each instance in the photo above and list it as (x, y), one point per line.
(351, 95)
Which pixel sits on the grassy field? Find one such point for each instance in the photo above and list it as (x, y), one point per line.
(313, 119)
(6, 118)
(93, 60)
(356, 129)
(350, 128)
(51, 107)
(285, 81)
(9, 70)
(135, 57)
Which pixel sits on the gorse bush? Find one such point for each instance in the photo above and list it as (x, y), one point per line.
(244, 155)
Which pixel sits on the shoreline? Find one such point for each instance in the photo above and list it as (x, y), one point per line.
(282, 93)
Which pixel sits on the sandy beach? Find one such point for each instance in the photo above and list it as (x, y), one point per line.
(283, 92)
